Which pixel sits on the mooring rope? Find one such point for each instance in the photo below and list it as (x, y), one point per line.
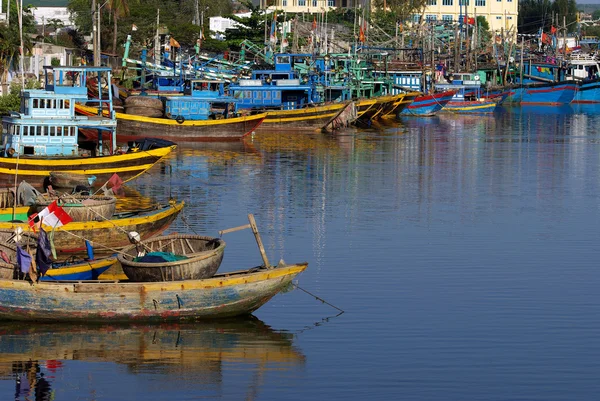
(318, 298)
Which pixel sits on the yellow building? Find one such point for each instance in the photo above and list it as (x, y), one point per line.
(306, 6)
(500, 14)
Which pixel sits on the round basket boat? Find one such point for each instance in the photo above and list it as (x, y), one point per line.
(83, 207)
(202, 258)
(59, 179)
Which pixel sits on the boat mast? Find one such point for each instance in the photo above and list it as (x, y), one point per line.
(21, 47)
(157, 39)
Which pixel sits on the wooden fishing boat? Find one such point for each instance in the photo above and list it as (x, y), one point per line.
(44, 136)
(383, 104)
(366, 105)
(198, 257)
(472, 106)
(428, 105)
(224, 295)
(311, 117)
(70, 269)
(131, 127)
(107, 236)
(398, 105)
(469, 95)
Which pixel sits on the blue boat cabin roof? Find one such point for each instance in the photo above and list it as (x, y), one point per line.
(73, 80)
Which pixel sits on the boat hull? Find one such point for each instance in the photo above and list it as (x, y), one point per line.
(308, 118)
(587, 92)
(35, 168)
(132, 127)
(90, 270)
(471, 107)
(428, 105)
(558, 93)
(222, 296)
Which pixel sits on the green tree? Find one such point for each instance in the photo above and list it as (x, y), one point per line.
(249, 28)
(484, 29)
(533, 15)
(567, 12)
(175, 15)
(402, 9)
(118, 9)
(10, 39)
(596, 14)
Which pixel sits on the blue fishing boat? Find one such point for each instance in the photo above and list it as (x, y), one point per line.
(584, 70)
(291, 99)
(203, 112)
(428, 105)
(549, 93)
(44, 136)
(469, 95)
(544, 82)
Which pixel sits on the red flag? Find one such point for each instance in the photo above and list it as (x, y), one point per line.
(115, 182)
(546, 39)
(361, 35)
(552, 30)
(314, 25)
(470, 21)
(52, 215)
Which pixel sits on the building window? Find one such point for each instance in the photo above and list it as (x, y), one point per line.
(284, 3)
(498, 17)
(480, 3)
(463, 2)
(447, 2)
(301, 3)
(416, 18)
(447, 18)
(331, 3)
(509, 17)
(314, 3)
(430, 17)
(432, 2)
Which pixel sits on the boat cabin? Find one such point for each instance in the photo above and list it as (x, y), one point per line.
(203, 99)
(281, 88)
(583, 67)
(288, 61)
(47, 125)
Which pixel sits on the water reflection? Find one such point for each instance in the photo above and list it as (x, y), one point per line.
(33, 355)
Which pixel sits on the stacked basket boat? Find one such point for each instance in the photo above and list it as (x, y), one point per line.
(82, 207)
(172, 258)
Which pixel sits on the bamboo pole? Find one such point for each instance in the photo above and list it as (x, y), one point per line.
(261, 248)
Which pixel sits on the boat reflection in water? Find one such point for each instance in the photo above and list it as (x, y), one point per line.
(34, 355)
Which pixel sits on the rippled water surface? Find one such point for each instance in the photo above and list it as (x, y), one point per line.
(463, 250)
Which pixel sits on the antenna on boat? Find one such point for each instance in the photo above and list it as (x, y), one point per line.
(21, 49)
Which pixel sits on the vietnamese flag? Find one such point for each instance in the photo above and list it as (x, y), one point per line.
(54, 215)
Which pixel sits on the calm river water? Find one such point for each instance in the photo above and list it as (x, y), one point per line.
(463, 250)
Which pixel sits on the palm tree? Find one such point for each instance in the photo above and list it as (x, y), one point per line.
(118, 8)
